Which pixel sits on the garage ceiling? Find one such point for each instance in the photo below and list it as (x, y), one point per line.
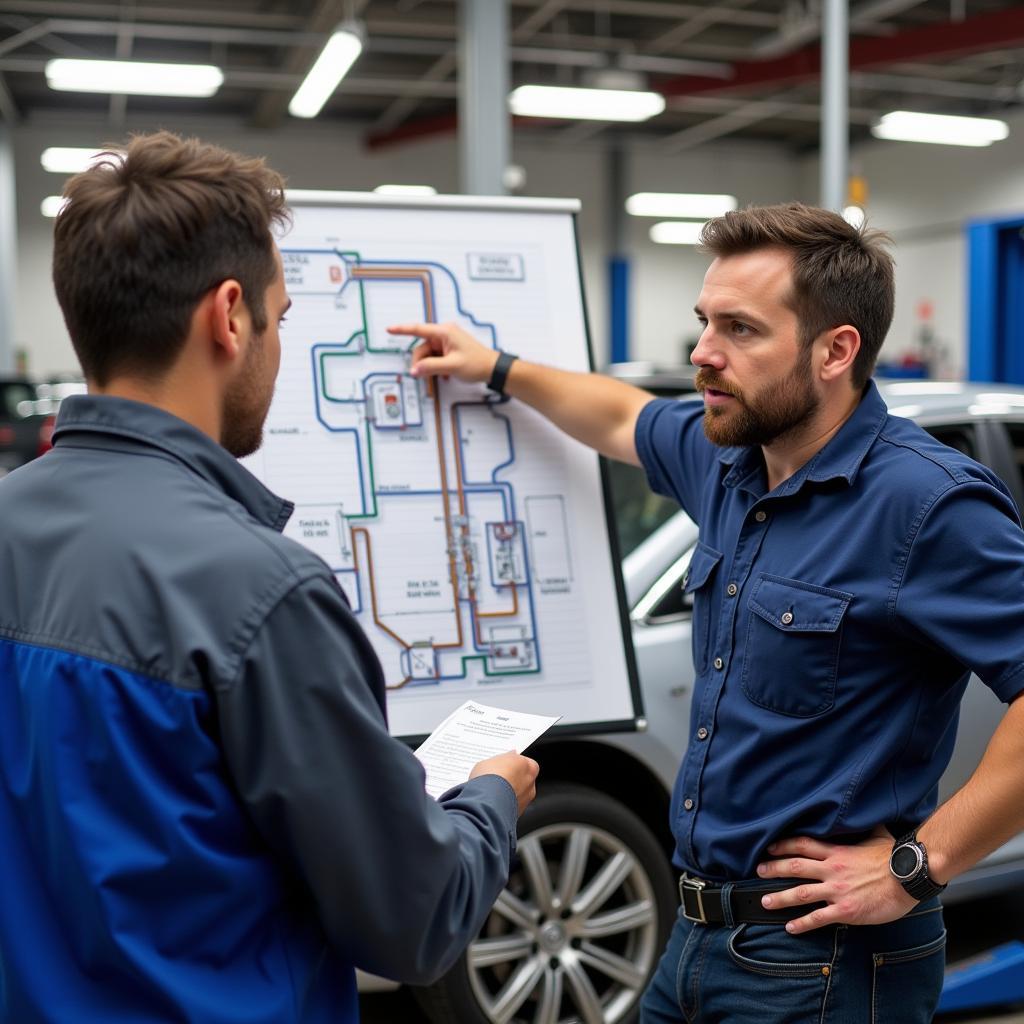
(746, 68)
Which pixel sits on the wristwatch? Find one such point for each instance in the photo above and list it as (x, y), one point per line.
(500, 373)
(909, 864)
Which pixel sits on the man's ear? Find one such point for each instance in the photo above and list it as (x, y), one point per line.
(229, 318)
(842, 345)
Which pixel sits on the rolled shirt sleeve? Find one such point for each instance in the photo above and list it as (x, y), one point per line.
(401, 882)
(674, 451)
(961, 589)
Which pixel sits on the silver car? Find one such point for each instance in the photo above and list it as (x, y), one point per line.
(579, 929)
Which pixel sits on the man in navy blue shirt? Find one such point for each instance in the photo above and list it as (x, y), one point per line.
(851, 573)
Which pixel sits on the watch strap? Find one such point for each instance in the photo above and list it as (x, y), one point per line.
(500, 373)
(921, 887)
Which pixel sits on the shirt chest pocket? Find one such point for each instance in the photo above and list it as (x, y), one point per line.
(791, 655)
(697, 586)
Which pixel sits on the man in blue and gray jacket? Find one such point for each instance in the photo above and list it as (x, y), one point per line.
(202, 815)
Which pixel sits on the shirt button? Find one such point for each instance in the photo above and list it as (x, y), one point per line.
(731, 589)
(702, 733)
(688, 804)
(719, 663)
(760, 515)
(787, 618)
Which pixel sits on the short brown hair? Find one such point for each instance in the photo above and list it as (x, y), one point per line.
(841, 274)
(145, 233)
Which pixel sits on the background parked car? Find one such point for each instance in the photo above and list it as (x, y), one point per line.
(592, 896)
(27, 414)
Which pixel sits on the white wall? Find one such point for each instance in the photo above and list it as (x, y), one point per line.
(665, 279)
(924, 196)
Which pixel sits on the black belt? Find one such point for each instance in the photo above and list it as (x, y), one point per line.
(704, 903)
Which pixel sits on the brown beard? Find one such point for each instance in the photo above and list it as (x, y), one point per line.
(778, 408)
(246, 405)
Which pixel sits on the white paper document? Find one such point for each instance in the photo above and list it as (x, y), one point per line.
(473, 733)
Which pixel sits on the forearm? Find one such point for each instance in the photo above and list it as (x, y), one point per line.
(987, 811)
(400, 883)
(597, 410)
(594, 409)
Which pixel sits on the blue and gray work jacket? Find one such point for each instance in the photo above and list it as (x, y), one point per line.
(202, 815)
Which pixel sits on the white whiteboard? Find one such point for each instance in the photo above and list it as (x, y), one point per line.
(469, 535)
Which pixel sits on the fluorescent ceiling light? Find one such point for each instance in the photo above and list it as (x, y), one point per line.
(908, 126)
(676, 232)
(69, 159)
(679, 204)
(585, 104)
(134, 78)
(406, 190)
(51, 206)
(330, 68)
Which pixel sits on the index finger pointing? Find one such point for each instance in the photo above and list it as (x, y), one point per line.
(419, 330)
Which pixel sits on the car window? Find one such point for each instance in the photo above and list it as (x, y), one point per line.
(1016, 435)
(638, 510)
(960, 436)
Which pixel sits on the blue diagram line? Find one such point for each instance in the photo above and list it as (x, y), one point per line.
(444, 270)
(339, 430)
(458, 406)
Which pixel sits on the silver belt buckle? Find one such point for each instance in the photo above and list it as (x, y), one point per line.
(694, 888)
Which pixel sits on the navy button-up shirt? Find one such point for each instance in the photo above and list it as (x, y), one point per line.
(836, 621)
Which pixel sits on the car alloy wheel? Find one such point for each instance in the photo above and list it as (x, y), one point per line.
(576, 933)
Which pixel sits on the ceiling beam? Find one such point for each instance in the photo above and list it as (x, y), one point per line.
(696, 24)
(932, 87)
(207, 14)
(671, 11)
(795, 110)
(808, 27)
(185, 33)
(726, 124)
(996, 28)
(402, 107)
(533, 23)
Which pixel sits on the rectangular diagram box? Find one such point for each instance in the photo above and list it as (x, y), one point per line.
(471, 537)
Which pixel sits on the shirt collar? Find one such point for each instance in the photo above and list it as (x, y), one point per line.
(139, 422)
(841, 458)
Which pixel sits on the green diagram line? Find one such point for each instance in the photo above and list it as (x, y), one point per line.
(373, 482)
(483, 658)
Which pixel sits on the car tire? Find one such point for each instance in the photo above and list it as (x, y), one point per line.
(578, 930)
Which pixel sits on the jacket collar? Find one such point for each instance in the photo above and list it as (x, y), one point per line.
(106, 418)
(841, 458)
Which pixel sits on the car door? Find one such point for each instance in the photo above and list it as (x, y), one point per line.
(1000, 446)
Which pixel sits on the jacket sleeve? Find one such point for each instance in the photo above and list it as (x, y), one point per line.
(401, 883)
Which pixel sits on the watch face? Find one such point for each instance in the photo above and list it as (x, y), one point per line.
(905, 861)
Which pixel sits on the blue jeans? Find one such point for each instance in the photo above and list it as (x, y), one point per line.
(760, 974)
